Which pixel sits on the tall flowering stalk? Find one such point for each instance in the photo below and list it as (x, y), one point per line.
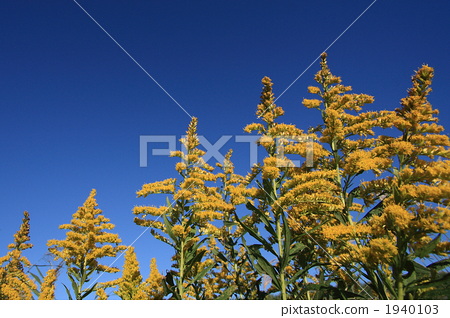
(413, 194)
(86, 242)
(187, 222)
(14, 282)
(131, 285)
(347, 132)
(233, 277)
(385, 224)
(47, 291)
(279, 221)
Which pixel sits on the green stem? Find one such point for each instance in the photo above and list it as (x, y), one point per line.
(280, 252)
(181, 279)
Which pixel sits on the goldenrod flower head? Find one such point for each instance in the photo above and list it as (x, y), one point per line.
(14, 282)
(86, 231)
(48, 285)
(101, 294)
(131, 277)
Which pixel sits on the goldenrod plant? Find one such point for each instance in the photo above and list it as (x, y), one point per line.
(187, 220)
(347, 134)
(15, 284)
(131, 285)
(397, 217)
(233, 277)
(413, 196)
(47, 291)
(86, 242)
(279, 220)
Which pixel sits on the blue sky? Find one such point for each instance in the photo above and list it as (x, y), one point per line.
(73, 104)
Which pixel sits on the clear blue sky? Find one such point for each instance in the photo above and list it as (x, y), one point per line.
(73, 105)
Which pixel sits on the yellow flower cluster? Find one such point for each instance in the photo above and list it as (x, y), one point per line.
(362, 160)
(48, 285)
(270, 169)
(166, 186)
(345, 232)
(14, 282)
(86, 231)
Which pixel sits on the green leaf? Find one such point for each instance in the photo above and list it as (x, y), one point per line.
(263, 266)
(427, 249)
(74, 285)
(376, 210)
(74, 274)
(68, 292)
(194, 260)
(202, 273)
(415, 268)
(287, 243)
(267, 224)
(36, 278)
(169, 279)
(338, 293)
(300, 273)
(39, 271)
(296, 248)
(437, 283)
(227, 293)
(219, 255)
(257, 236)
(169, 205)
(88, 291)
(169, 228)
(229, 223)
(377, 283)
(192, 251)
(36, 292)
(440, 265)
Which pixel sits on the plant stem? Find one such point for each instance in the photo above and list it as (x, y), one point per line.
(181, 280)
(280, 252)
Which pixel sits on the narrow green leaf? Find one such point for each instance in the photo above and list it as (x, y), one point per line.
(267, 224)
(74, 274)
(169, 205)
(36, 292)
(257, 236)
(219, 255)
(39, 271)
(88, 291)
(338, 293)
(444, 280)
(427, 249)
(169, 228)
(36, 278)
(298, 274)
(68, 292)
(263, 266)
(74, 285)
(287, 243)
(227, 293)
(229, 223)
(440, 265)
(200, 275)
(194, 260)
(192, 251)
(376, 210)
(296, 248)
